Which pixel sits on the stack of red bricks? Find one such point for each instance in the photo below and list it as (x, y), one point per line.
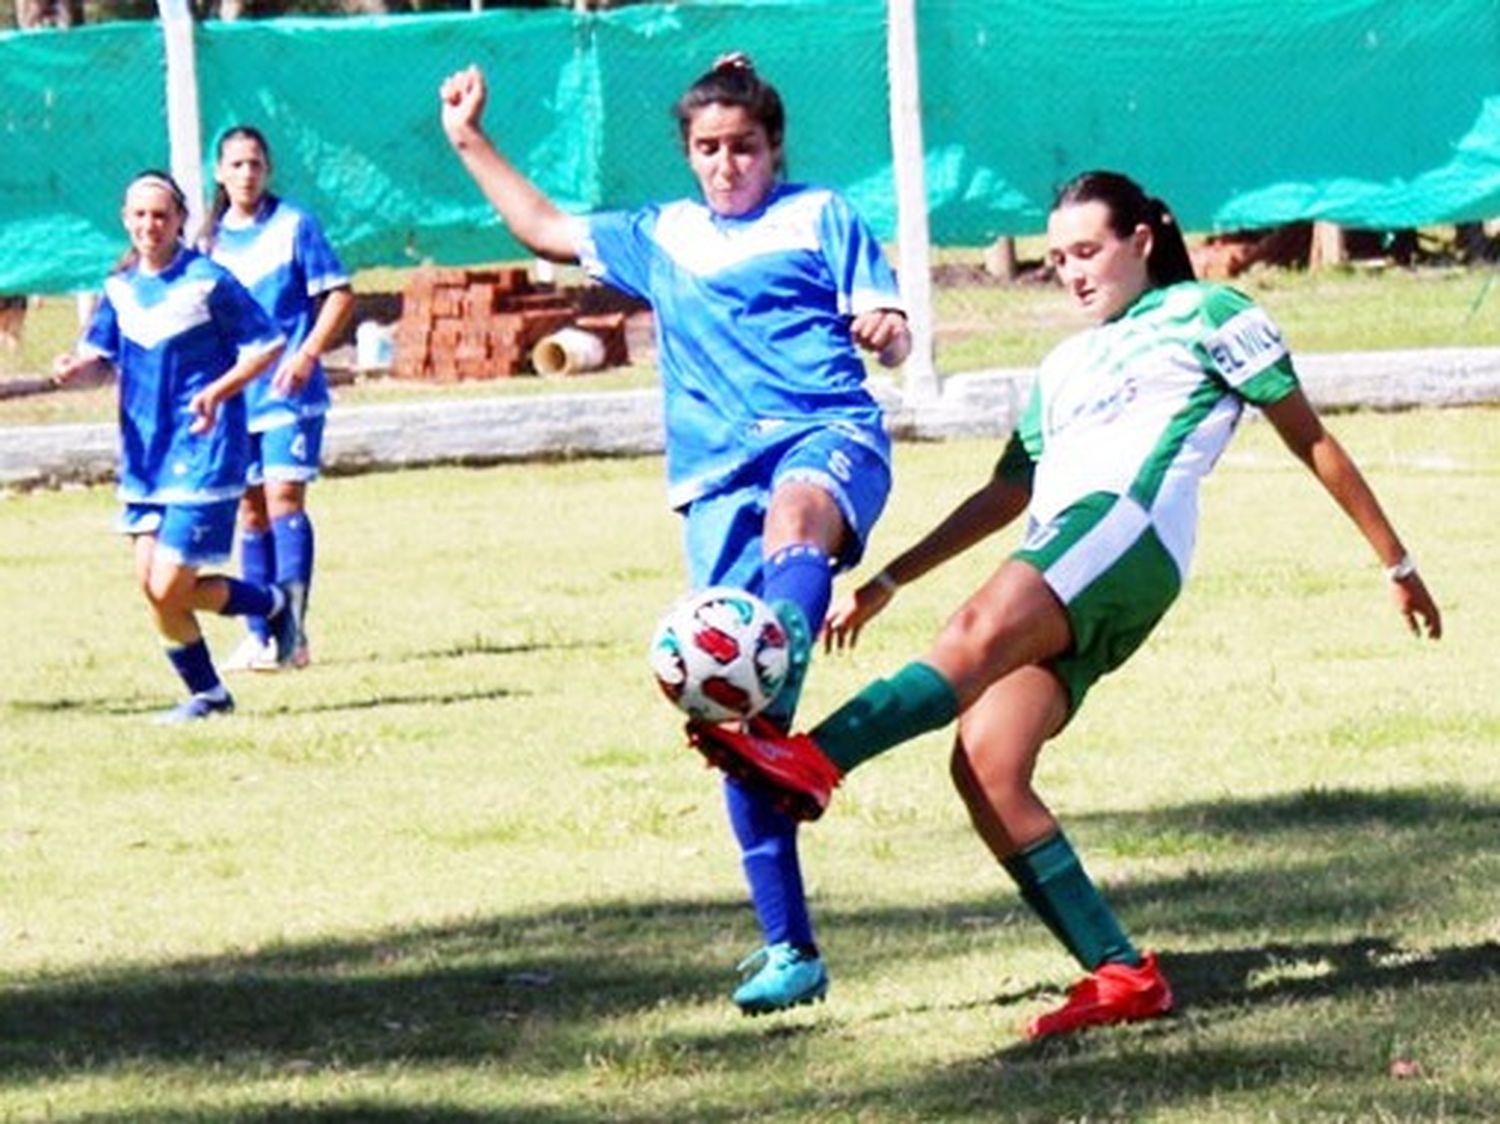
(474, 323)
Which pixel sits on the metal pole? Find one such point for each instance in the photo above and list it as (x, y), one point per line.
(914, 249)
(184, 133)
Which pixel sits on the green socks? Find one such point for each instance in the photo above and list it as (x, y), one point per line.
(1053, 883)
(886, 713)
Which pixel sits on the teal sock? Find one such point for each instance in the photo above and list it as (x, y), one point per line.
(885, 714)
(1054, 884)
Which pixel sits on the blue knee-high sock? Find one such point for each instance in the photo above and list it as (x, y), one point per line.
(797, 576)
(768, 850)
(251, 601)
(195, 667)
(294, 560)
(798, 582)
(293, 535)
(258, 567)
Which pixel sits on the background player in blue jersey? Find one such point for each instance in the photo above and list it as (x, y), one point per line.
(776, 453)
(279, 252)
(1124, 421)
(185, 338)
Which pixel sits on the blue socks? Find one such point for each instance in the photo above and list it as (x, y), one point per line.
(254, 601)
(257, 567)
(293, 536)
(768, 851)
(195, 667)
(284, 556)
(798, 584)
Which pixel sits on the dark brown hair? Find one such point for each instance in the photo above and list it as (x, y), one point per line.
(732, 80)
(220, 203)
(1129, 207)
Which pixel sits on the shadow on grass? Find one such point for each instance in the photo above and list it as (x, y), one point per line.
(416, 698)
(478, 646)
(117, 706)
(95, 705)
(540, 994)
(121, 708)
(134, 706)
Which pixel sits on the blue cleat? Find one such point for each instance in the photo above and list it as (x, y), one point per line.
(194, 708)
(286, 626)
(780, 976)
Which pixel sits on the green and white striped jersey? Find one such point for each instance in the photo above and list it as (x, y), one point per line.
(1142, 406)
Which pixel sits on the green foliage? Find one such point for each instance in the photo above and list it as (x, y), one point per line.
(462, 869)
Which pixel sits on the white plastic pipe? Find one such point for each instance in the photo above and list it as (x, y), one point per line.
(914, 240)
(184, 132)
(568, 351)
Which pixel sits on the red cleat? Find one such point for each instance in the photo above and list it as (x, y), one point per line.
(790, 768)
(1116, 993)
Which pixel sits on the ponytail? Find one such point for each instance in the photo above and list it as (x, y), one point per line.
(1129, 207)
(1169, 262)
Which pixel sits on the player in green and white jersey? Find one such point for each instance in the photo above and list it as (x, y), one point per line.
(1125, 420)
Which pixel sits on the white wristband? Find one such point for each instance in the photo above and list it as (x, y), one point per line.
(1402, 569)
(886, 582)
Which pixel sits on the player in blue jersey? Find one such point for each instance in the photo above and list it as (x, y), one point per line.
(1124, 421)
(279, 252)
(763, 292)
(185, 338)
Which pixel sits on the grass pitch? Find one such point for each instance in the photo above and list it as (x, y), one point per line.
(463, 869)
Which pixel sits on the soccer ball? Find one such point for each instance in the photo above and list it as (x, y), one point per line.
(720, 654)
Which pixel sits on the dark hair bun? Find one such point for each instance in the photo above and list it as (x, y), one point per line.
(734, 60)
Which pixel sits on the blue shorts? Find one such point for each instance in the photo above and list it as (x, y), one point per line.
(723, 530)
(288, 452)
(195, 534)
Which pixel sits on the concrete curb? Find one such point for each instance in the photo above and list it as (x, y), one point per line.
(628, 423)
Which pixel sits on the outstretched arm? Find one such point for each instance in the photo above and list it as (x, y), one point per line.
(983, 513)
(1304, 433)
(530, 215)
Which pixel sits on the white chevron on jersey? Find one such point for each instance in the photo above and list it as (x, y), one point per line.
(688, 234)
(184, 306)
(254, 260)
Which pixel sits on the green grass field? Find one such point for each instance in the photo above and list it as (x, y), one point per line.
(463, 869)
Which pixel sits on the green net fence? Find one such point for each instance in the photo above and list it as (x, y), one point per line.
(1380, 114)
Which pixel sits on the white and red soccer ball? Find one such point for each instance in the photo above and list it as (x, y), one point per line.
(720, 654)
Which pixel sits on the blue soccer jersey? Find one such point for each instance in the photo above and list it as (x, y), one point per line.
(285, 261)
(752, 321)
(171, 334)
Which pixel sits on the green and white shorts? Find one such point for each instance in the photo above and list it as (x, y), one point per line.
(1103, 559)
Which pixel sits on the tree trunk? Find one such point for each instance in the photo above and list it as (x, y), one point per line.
(49, 13)
(1000, 259)
(1328, 246)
